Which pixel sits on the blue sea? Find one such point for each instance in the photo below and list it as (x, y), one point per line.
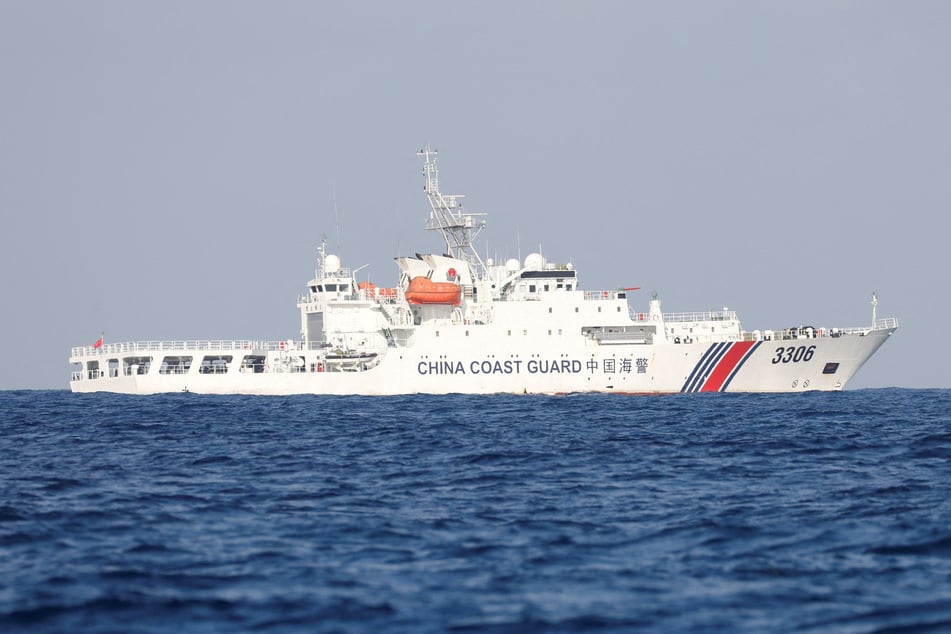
(815, 512)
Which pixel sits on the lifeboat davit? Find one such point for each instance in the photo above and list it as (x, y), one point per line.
(423, 290)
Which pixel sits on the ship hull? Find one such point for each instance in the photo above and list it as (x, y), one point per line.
(457, 324)
(792, 365)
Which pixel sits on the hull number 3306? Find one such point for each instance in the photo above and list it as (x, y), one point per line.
(793, 354)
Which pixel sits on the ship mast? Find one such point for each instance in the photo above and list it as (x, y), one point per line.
(458, 227)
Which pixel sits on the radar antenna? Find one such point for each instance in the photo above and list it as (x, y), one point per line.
(322, 253)
(458, 227)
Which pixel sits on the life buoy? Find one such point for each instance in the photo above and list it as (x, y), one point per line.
(282, 345)
(451, 274)
(654, 317)
(320, 367)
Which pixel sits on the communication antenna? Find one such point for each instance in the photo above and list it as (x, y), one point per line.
(336, 215)
(874, 309)
(396, 216)
(458, 227)
(322, 252)
(518, 245)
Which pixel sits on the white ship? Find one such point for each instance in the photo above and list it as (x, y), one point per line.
(456, 323)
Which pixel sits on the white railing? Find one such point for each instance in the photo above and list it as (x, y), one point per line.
(192, 346)
(880, 324)
(884, 324)
(709, 315)
(809, 332)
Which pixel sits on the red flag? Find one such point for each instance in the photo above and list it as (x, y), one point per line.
(98, 343)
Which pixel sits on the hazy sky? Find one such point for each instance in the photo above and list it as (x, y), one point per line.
(167, 168)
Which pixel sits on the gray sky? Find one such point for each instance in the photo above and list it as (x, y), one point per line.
(167, 168)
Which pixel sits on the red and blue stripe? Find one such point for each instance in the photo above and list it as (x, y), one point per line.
(718, 365)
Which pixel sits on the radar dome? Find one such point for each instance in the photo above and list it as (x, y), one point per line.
(511, 265)
(534, 261)
(331, 264)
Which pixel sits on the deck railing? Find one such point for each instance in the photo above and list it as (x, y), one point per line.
(245, 345)
(708, 315)
(809, 332)
(248, 345)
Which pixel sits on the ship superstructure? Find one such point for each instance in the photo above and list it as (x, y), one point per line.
(454, 322)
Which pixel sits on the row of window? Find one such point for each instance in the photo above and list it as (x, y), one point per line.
(330, 288)
(211, 364)
(533, 288)
(524, 332)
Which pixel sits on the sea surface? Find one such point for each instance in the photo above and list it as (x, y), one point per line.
(815, 512)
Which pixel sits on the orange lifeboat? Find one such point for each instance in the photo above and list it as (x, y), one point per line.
(423, 290)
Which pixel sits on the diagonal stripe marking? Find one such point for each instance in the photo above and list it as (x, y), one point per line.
(709, 358)
(739, 365)
(726, 365)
